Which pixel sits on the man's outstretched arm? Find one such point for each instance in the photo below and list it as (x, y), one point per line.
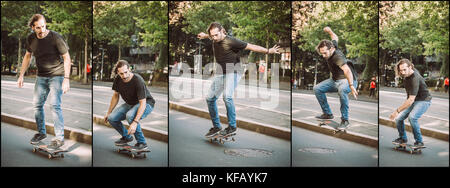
(331, 33)
(261, 49)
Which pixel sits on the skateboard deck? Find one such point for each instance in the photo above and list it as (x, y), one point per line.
(333, 124)
(134, 153)
(51, 153)
(222, 139)
(412, 149)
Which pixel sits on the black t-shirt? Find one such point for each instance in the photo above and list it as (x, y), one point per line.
(227, 51)
(415, 85)
(335, 62)
(133, 91)
(47, 52)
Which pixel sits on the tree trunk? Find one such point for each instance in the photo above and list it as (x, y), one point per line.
(85, 59)
(18, 55)
(444, 67)
(267, 61)
(120, 54)
(79, 65)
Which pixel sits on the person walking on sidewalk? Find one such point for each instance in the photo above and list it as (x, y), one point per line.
(417, 103)
(53, 76)
(373, 86)
(446, 84)
(138, 104)
(226, 50)
(343, 79)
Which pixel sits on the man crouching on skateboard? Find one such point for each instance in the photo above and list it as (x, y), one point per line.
(226, 49)
(138, 104)
(53, 76)
(343, 78)
(417, 102)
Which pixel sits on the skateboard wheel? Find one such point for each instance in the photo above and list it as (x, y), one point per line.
(145, 155)
(62, 155)
(34, 150)
(50, 156)
(233, 139)
(133, 156)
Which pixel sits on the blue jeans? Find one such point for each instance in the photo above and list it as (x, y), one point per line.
(128, 112)
(341, 86)
(226, 83)
(413, 113)
(42, 87)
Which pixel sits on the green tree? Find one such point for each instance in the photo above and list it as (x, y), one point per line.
(114, 22)
(152, 19)
(15, 16)
(354, 22)
(74, 18)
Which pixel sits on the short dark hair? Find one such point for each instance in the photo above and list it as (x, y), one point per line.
(324, 43)
(121, 63)
(35, 18)
(215, 25)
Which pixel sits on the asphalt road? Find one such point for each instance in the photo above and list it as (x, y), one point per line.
(311, 149)
(17, 150)
(436, 153)
(106, 156)
(189, 148)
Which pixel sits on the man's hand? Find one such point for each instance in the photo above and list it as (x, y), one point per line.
(327, 30)
(274, 50)
(20, 82)
(132, 128)
(106, 118)
(393, 115)
(202, 35)
(66, 85)
(354, 92)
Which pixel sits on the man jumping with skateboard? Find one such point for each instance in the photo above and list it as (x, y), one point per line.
(343, 78)
(138, 104)
(226, 50)
(53, 76)
(417, 103)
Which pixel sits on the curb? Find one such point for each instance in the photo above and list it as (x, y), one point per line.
(350, 136)
(279, 132)
(438, 134)
(148, 132)
(71, 133)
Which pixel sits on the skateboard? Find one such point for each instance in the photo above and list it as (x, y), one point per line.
(333, 124)
(412, 148)
(222, 139)
(134, 153)
(51, 153)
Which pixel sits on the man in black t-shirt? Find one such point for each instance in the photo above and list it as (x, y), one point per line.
(226, 50)
(53, 76)
(417, 102)
(138, 104)
(343, 78)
